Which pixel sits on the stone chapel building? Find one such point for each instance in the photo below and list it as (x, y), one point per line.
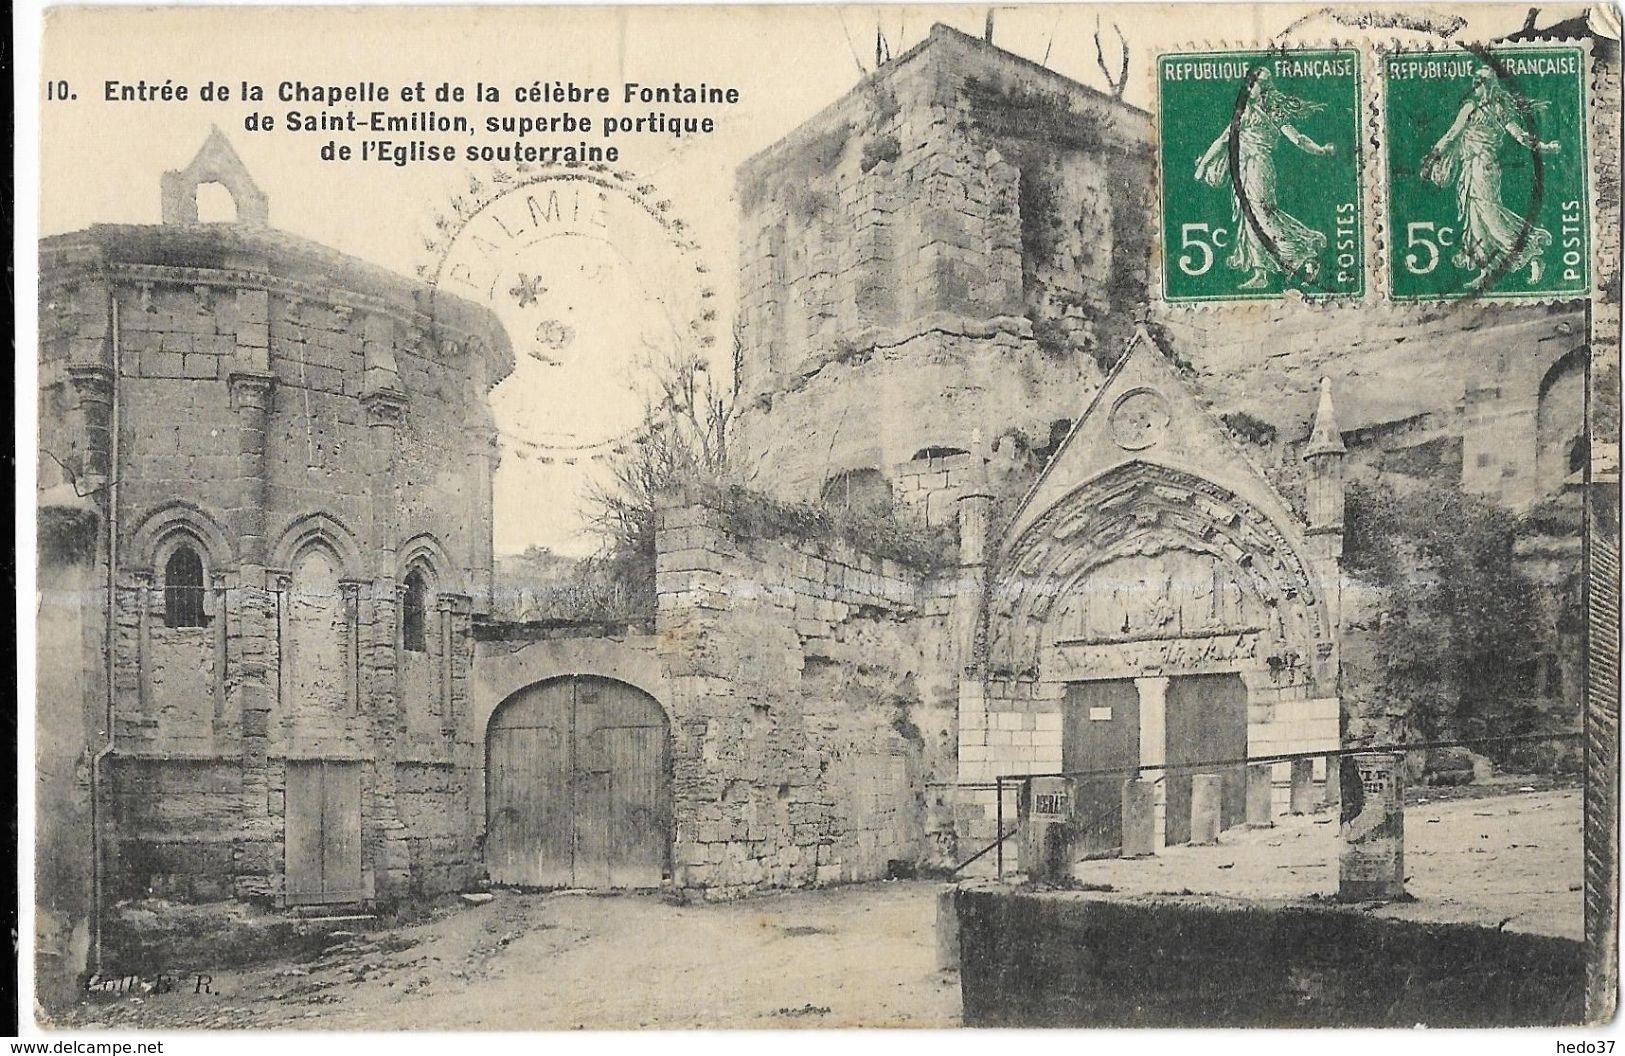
(265, 536)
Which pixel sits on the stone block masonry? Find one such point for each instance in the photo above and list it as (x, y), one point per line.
(811, 711)
(1036, 960)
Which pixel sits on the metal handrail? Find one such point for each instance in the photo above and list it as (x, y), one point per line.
(1279, 757)
(996, 843)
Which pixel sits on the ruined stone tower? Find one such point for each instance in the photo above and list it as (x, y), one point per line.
(956, 245)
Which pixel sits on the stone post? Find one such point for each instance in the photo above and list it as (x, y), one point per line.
(1139, 818)
(947, 930)
(1371, 865)
(1207, 799)
(1046, 812)
(1331, 794)
(1260, 789)
(1301, 797)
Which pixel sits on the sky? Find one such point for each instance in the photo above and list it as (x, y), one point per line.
(628, 295)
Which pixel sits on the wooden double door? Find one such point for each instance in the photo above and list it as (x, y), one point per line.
(1205, 718)
(322, 832)
(578, 787)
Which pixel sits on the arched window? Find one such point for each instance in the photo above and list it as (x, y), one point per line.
(413, 613)
(859, 490)
(183, 589)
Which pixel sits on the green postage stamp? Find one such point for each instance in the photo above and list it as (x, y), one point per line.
(1260, 163)
(1486, 173)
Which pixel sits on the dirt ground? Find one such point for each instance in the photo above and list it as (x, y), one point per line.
(1509, 859)
(840, 957)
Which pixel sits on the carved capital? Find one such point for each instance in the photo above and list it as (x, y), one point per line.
(92, 381)
(250, 389)
(385, 406)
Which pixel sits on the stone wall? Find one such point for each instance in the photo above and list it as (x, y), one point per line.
(813, 708)
(1405, 376)
(1061, 959)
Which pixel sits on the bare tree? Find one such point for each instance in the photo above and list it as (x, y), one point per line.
(684, 438)
(1119, 82)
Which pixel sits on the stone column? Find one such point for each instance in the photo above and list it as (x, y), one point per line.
(1153, 692)
(1371, 865)
(483, 458)
(93, 385)
(251, 398)
(255, 616)
(1324, 456)
(975, 512)
(386, 406)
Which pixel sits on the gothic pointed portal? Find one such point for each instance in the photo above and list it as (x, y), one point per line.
(1152, 546)
(215, 162)
(1158, 598)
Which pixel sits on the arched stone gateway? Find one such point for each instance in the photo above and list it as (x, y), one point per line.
(578, 786)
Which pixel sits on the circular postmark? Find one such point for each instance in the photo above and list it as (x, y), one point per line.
(593, 278)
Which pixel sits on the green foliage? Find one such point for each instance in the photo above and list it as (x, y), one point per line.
(751, 515)
(1457, 634)
(875, 151)
(1249, 427)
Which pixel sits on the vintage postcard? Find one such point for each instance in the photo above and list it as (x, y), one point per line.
(702, 517)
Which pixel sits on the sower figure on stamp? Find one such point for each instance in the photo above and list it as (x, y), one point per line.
(1268, 239)
(1493, 238)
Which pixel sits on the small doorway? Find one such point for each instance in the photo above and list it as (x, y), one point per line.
(1206, 719)
(1101, 729)
(322, 832)
(578, 787)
